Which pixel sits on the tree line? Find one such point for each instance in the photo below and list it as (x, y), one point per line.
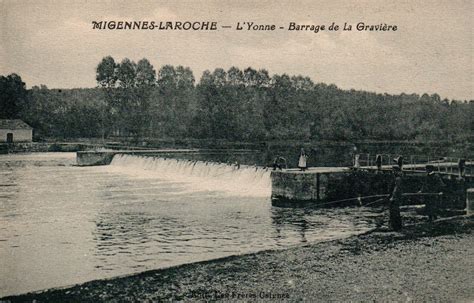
(133, 100)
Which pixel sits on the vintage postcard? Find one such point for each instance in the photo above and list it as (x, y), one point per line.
(236, 151)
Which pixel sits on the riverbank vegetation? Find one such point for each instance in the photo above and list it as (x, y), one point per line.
(132, 99)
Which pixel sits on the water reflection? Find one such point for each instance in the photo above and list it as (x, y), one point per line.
(66, 225)
(285, 219)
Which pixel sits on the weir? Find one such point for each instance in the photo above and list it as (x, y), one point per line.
(287, 187)
(93, 158)
(201, 176)
(104, 157)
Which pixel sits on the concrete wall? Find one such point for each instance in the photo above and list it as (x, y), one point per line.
(293, 187)
(88, 158)
(302, 187)
(19, 135)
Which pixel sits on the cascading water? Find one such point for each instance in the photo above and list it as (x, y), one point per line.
(65, 224)
(199, 176)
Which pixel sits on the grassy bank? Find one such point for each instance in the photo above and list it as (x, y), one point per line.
(427, 262)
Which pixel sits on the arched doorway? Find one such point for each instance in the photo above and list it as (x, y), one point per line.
(10, 138)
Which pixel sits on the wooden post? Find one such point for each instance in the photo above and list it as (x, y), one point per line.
(470, 201)
(318, 187)
(379, 162)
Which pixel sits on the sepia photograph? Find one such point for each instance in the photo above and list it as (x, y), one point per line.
(236, 151)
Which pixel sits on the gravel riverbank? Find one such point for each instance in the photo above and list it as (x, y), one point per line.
(427, 262)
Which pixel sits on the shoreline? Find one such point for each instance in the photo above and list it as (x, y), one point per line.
(178, 266)
(424, 262)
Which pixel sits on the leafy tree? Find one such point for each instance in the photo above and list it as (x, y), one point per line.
(12, 96)
(127, 73)
(106, 72)
(174, 100)
(145, 73)
(247, 105)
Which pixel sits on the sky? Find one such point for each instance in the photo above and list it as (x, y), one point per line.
(52, 42)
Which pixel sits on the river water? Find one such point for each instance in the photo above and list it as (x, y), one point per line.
(61, 224)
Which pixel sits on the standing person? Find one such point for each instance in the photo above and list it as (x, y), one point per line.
(462, 167)
(302, 161)
(395, 219)
(354, 157)
(356, 161)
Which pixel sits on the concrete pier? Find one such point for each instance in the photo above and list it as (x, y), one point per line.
(86, 158)
(293, 185)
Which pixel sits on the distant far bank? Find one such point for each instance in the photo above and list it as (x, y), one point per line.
(133, 101)
(287, 148)
(135, 142)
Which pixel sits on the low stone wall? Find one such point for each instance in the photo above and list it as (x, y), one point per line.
(29, 147)
(89, 158)
(302, 186)
(292, 187)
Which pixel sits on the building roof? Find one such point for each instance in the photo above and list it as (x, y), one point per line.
(13, 124)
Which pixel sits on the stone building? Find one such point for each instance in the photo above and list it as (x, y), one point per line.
(15, 130)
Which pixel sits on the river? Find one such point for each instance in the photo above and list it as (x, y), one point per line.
(61, 224)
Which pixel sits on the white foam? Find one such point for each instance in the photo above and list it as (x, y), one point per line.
(197, 175)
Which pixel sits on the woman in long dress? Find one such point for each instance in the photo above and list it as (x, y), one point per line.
(302, 161)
